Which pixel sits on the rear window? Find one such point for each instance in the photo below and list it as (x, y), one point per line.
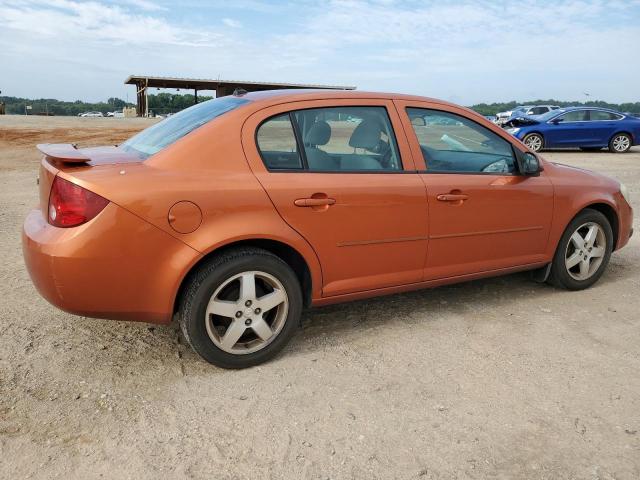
(169, 130)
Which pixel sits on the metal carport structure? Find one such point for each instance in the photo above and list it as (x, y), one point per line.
(221, 87)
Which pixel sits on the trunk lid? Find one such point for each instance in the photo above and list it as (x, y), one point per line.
(67, 157)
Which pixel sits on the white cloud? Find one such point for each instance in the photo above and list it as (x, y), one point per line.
(145, 5)
(467, 51)
(93, 21)
(229, 22)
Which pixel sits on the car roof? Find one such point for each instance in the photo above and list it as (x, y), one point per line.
(292, 95)
(586, 107)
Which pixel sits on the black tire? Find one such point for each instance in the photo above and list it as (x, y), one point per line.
(534, 141)
(622, 137)
(590, 149)
(209, 277)
(560, 275)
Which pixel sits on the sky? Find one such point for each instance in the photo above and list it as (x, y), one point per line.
(466, 51)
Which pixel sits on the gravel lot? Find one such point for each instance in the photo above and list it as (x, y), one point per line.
(501, 378)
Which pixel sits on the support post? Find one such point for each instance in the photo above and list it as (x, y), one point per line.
(146, 98)
(195, 96)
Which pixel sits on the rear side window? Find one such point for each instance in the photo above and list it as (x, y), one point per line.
(451, 143)
(335, 139)
(277, 144)
(596, 115)
(348, 139)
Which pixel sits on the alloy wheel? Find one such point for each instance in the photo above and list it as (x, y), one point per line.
(621, 143)
(534, 142)
(585, 251)
(246, 312)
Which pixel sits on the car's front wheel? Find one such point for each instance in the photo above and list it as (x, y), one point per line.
(534, 141)
(241, 308)
(620, 143)
(583, 252)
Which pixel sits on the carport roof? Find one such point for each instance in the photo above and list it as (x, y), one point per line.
(205, 84)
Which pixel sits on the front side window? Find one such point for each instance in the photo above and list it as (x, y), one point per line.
(574, 116)
(170, 130)
(599, 115)
(451, 143)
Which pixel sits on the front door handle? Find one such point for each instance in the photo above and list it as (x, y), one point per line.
(452, 197)
(314, 202)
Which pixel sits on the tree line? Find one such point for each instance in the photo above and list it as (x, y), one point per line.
(163, 103)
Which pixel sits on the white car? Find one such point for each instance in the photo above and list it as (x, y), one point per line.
(92, 114)
(523, 110)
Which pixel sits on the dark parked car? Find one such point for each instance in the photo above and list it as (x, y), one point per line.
(588, 128)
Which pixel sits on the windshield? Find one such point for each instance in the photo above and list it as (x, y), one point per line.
(173, 128)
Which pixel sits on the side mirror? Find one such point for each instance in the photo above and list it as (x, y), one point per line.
(418, 121)
(556, 121)
(528, 164)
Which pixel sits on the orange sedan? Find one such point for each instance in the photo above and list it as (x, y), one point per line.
(237, 213)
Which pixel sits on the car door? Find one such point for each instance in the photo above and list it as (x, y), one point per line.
(570, 129)
(483, 215)
(341, 174)
(602, 125)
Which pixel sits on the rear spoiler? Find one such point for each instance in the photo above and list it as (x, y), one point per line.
(63, 152)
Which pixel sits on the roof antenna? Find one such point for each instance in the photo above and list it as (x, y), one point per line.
(238, 92)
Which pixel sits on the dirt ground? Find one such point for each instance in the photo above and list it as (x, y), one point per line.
(500, 378)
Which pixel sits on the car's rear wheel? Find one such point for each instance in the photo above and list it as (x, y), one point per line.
(534, 141)
(583, 252)
(620, 143)
(241, 308)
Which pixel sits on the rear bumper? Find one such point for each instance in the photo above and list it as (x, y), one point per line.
(115, 266)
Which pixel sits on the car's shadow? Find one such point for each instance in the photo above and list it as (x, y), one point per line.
(342, 322)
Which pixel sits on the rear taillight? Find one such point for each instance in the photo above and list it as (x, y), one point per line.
(71, 205)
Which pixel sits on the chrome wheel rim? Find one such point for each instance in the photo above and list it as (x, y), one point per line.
(585, 251)
(621, 143)
(246, 312)
(534, 142)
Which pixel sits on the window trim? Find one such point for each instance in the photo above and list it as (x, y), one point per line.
(432, 172)
(298, 137)
(303, 154)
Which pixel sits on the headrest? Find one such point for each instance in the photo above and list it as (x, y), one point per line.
(319, 133)
(366, 135)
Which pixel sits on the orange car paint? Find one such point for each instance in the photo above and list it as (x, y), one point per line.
(385, 233)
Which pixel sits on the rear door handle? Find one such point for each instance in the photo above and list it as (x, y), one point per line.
(314, 202)
(452, 197)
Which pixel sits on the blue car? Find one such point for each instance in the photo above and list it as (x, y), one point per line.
(588, 128)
